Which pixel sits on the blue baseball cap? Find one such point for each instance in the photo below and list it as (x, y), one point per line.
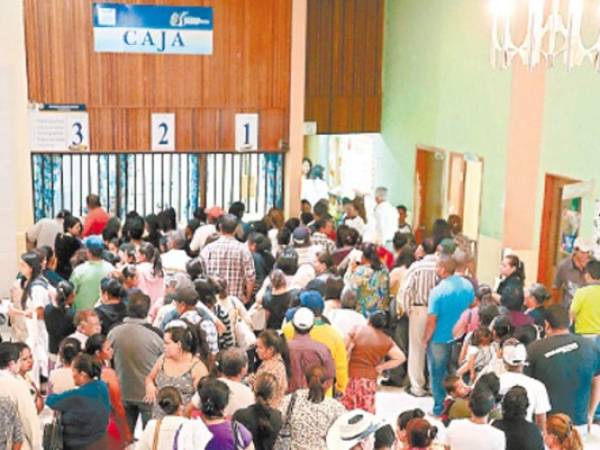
(94, 243)
(312, 300)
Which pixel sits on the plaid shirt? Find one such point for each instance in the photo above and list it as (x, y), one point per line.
(230, 259)
(321, 239)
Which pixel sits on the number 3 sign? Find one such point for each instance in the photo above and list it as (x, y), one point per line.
(163, 132)
(246, 132)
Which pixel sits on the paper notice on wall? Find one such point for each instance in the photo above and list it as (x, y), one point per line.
(596, 232)
(58, 130)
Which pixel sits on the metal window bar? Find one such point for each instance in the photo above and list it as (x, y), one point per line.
(134, 181)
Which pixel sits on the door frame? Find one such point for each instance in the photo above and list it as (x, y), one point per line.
(550, 226)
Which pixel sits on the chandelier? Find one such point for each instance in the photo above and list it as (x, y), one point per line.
(549, 36)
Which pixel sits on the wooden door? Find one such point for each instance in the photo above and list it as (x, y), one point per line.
(551, 227)
(428, 189)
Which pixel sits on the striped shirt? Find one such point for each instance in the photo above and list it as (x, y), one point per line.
(321, 239)
(420, 279)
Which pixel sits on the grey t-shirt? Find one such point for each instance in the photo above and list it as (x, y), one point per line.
(137, 347)
(568, 278)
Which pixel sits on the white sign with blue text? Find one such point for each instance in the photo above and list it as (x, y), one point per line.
(153, 29)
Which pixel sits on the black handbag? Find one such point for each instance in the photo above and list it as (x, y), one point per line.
(53, 433)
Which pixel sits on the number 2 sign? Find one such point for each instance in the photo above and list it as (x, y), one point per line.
(246, 132)
(163, 132)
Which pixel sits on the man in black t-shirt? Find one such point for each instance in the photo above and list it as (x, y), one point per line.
(567, 364)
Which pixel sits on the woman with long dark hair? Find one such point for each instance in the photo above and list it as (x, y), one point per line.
(84, 410)
(261, 420)
(151, 277)
(371, 281)
(66, 244)
(59, 316)
(100, 348)
(36, 295)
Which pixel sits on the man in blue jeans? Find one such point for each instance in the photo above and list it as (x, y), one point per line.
(447, 301)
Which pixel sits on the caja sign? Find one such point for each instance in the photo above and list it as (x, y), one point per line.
(153, 29)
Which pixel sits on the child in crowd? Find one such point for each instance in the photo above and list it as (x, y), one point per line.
(479, 354)
(456, 405)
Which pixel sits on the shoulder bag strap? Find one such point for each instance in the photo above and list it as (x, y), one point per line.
(156, 434)
(288, 413)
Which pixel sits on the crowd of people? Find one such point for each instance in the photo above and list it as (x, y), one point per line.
(276, 334)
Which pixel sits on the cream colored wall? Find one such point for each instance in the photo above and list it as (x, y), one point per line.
(293, 158)
(15, 182)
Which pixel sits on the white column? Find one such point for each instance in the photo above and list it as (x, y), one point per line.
(15, 181)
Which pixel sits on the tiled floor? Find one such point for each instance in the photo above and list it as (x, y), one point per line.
(392, 401)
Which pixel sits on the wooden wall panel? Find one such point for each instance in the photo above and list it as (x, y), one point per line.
(343, 66)
(249, 71)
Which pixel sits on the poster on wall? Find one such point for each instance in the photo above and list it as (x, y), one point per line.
(154, 29)
(58, 127)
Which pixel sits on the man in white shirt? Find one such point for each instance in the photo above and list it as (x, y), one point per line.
(88, 324)
(475, 432)
(203, 232)
(233, 364)
(514, 355)
(176, 258)
(346, 318)
(44, 231)
(17, 391)
(386, 219)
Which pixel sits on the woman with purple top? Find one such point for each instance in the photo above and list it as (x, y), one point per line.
(227, 434)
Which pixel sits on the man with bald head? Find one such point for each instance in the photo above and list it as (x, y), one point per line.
(447, 301)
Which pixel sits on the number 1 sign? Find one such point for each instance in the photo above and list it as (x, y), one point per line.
(163, 132)
(246, 132)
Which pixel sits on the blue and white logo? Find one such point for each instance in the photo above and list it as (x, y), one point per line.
(153, 29)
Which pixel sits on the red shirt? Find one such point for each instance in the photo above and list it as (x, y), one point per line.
(95, 222)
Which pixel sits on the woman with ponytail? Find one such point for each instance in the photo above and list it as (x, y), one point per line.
(84, 410)
(173, 430)
(227, 434)
(59, 316)
(261, 420)
(309, 413)
(512, 275)
(178, 367)
(36, 295)
(112, 309)
(150, 272)
(420, 434)
(272, 350)
(561, 434)
(100, 348)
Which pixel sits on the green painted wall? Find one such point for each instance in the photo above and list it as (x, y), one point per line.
(571, 134)
(439, 90)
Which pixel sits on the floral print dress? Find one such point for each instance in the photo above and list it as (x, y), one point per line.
(372, 288)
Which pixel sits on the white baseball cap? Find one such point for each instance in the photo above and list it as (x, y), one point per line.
(303, 319)
(514, 354)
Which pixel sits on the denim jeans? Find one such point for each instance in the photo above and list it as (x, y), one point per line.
(438, 356)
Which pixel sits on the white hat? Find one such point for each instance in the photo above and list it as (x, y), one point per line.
(303, 319)
(583, 245)
(351, 428)
(514, 354)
